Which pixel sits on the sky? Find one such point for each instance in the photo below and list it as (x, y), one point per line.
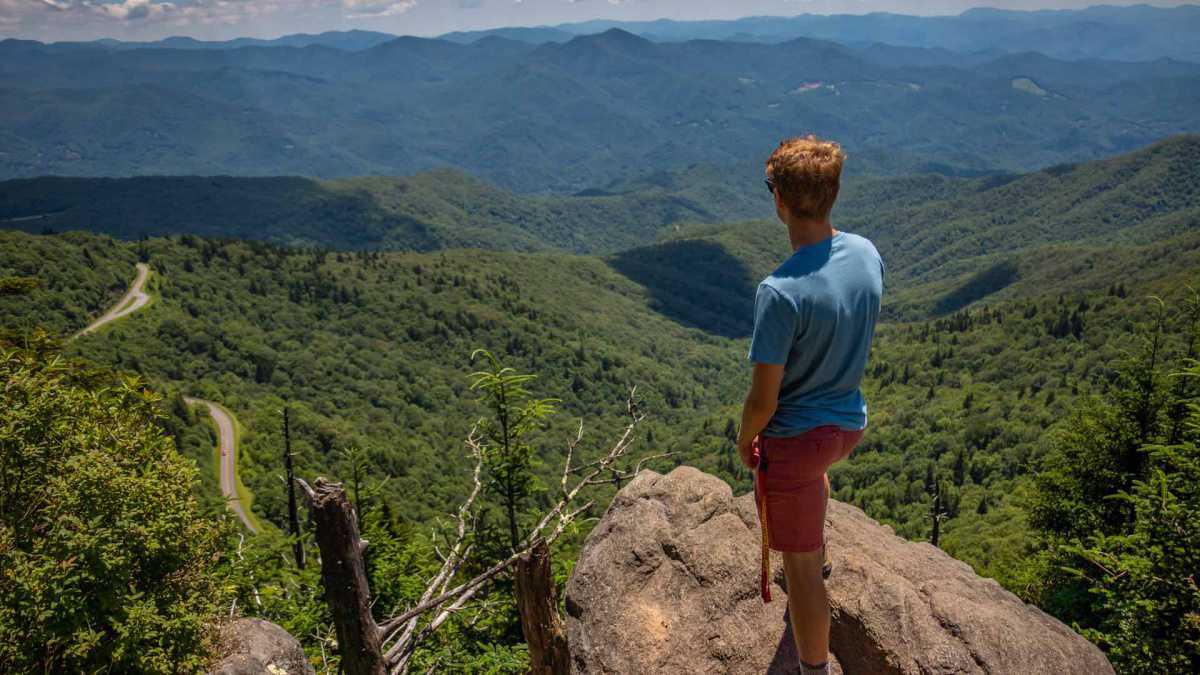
(53, 20)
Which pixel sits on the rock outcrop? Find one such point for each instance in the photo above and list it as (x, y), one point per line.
(667, 582)
(257, 647)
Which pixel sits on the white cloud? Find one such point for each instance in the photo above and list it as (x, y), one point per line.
(132, 9)
(83, 19)
(372, 8)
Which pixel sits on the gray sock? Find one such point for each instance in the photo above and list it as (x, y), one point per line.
(822, 669)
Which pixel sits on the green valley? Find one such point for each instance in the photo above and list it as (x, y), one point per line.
(1013, 303)
(440, 209)
(371, 349)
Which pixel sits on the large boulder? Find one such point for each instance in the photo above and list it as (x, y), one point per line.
(667, 582)
(257, 647)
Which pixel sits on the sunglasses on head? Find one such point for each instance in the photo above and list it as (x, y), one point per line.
(770, 185)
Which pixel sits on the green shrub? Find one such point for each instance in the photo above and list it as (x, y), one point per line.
(105, 558)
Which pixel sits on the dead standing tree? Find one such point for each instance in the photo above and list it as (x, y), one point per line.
(293, 515)
(370, 648)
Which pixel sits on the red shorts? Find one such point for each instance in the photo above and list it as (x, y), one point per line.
(791, 472)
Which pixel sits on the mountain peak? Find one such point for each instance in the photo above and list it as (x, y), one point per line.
(614, 38)
(621, 34)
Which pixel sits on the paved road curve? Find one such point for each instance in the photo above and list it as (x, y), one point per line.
(227, 443)
(135, 299)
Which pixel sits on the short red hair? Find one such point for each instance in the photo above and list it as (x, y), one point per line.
(807, 173)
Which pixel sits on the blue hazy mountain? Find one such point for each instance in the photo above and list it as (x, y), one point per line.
(566, 117)
(1131, 33)
(350, 40)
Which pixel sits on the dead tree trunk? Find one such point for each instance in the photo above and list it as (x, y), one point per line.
(540, 620)
(345, 579)
(936, 512)
(293, 517)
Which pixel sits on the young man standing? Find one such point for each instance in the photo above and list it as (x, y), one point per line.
(814, 319)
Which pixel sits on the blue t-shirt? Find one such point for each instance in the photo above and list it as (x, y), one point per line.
(815, 315)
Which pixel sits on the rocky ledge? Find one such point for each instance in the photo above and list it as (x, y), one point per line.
(667, 582)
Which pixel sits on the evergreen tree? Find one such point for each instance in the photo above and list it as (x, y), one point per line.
(1118, 509)
(508, 454)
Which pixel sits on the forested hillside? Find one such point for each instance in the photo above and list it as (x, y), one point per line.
(371, 351)
(948, 241)
(373, 347)
(1065, 228)
(439, 209)
(1146, 196)
(1011, 305)
(634, 106)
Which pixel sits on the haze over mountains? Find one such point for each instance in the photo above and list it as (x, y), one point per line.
(1133, 33)
(1123, 33)
(349, 104)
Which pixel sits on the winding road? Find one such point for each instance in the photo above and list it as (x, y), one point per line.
(227, 444)
(136, 298)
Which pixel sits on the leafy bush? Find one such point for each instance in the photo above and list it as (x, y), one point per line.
(105, 559)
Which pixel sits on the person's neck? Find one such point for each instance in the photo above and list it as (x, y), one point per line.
(808, 232)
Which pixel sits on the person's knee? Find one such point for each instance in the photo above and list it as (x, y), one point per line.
(804, 569)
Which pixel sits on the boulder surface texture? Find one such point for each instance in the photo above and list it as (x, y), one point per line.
(667, 582)
(257, 647)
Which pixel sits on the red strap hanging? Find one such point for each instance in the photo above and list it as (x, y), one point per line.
(760, 499)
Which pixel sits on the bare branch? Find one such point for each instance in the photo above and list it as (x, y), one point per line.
(388, 627)
(404, 632)
(617, 452)
(642, 462)
(402, 657)
(571, 445)
(457, 555)
(308, 491)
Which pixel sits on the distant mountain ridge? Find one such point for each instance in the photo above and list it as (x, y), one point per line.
(1123, 33)
(349, 40)
(1132, 33)
(434, 210)
(947, 242)
(590, 111)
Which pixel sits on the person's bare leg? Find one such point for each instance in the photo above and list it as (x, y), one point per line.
(828, 491)
(808, 604)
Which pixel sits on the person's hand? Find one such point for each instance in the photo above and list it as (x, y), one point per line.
(747, 451)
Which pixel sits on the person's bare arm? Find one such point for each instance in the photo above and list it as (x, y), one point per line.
(760, 405)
